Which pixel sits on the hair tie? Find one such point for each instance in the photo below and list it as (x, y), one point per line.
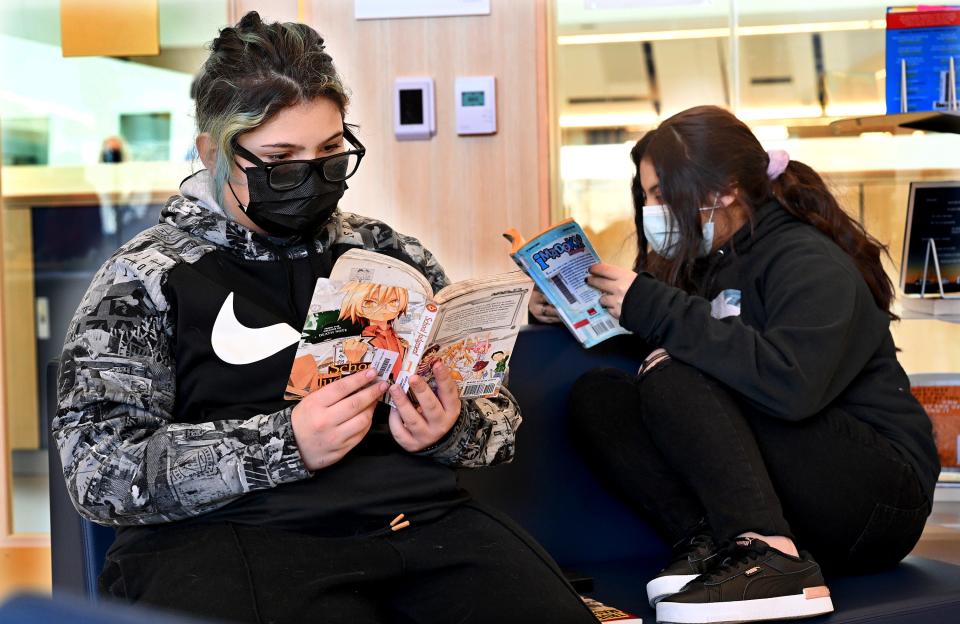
(778, 160)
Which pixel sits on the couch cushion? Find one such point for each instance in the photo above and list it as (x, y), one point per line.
(548, 489)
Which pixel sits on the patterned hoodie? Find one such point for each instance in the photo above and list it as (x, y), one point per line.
(153, 425)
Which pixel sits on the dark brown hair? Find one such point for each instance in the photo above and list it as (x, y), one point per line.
(705, 151)
(254, 71)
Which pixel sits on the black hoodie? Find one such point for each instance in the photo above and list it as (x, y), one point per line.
(809, 334)
(173, 372)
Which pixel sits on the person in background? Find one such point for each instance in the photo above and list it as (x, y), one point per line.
(770, 427)
(112, 150)
(229, 502)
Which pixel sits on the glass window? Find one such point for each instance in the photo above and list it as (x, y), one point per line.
(91, 148)
(789, 69)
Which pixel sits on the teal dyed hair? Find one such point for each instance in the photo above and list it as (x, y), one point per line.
(254, 71)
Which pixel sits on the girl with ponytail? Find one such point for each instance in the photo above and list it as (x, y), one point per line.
(771, 427)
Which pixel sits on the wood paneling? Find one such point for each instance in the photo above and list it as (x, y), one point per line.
(24, 568)
(457, 194)
(6, 459)
(19, 330)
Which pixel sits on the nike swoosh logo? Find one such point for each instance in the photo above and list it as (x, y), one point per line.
(235, 343)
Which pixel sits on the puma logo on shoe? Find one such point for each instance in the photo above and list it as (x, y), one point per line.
(753, 582)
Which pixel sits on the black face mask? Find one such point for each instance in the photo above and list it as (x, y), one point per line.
(302, 210)
(297, 196)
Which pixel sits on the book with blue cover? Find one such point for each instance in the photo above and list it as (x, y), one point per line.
(558, 261)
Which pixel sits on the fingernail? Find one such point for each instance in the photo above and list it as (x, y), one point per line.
(370, 373)
(382, 386)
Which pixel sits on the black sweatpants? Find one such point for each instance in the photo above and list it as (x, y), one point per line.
(472, 565)
(681, 448)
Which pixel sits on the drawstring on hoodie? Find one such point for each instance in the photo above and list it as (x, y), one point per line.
(320, 266)
(195, 189)
(287, 268)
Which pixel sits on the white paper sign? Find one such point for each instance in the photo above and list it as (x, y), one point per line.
(388, 9)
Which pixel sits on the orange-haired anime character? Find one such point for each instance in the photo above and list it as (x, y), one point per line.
(375, 307)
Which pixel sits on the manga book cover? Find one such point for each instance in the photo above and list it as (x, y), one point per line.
(377, 312)
(350, 327)
(558, 261)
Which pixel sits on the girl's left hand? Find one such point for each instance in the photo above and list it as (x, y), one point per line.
(417, 427)
(614, 283)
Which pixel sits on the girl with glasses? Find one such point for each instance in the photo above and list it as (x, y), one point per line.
(229, 502)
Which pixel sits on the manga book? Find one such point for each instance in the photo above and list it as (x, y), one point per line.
(558, 261)
(375, 311)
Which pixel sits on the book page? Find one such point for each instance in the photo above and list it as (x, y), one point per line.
(475, 331)
(352, 326)
(361, 265)
(476, 284)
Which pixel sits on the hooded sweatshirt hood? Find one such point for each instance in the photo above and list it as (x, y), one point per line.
(196, 211)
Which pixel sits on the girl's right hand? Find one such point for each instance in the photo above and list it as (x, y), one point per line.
(543, 310)
(329, 422)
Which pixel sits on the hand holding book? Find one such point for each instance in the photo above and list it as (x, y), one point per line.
(542, 309)
(418, 427)
(329, 422)
(613, 282)
(559, 261)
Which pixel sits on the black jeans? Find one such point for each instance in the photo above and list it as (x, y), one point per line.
(471, 565)
(681, 448)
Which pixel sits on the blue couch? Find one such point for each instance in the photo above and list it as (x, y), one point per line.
(548, 489)
(36, 609)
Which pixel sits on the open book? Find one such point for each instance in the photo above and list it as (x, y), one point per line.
(375, 311)
(559, 260)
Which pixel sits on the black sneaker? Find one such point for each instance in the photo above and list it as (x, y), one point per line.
(691, 558)
(753, 582)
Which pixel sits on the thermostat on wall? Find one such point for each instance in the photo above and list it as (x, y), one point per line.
(413, 110)
(476, 104)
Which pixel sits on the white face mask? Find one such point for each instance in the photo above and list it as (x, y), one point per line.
(662, 232)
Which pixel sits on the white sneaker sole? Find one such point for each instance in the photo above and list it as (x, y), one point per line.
(785, 607)
(663, 586)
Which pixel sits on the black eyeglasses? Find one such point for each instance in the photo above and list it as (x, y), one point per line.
(289, 174)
